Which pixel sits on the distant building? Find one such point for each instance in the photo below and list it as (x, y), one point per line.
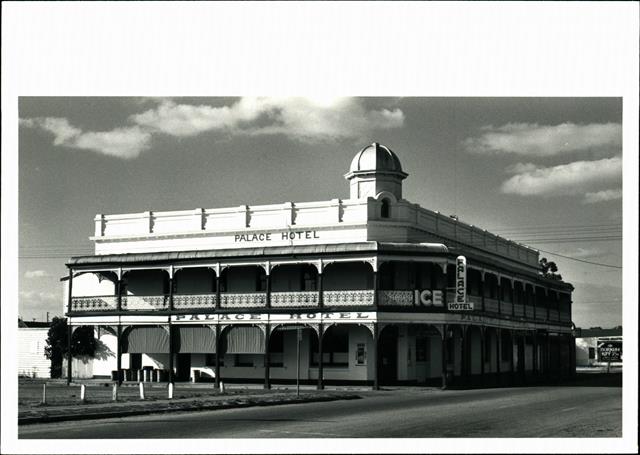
(385, 292)
(588, 341)
(32, 339)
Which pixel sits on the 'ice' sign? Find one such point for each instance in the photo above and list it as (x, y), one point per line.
(460, 298)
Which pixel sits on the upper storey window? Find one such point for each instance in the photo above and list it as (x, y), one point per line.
(385, 209)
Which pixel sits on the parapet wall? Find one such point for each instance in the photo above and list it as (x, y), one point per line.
(293, 223)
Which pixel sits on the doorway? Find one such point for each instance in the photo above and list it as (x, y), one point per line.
(183, 367)
(388, 361)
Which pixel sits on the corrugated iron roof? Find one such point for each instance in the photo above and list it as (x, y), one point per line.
(337, 248)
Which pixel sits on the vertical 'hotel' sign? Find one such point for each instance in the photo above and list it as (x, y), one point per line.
(460, 301)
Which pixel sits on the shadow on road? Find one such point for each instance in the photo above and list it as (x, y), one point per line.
(580, 380)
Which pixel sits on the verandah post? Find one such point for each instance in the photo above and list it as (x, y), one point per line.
(320, 355)
(69, 356)
(444, 359)
(69, 307)
(267, 380)
(217, 357)
(376, 385)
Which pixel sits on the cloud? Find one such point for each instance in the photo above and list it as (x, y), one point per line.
(35, 304)
(545, 140)
(582, 253)
(36, 274)
(126, 142)
(306, 119)
(565, 179)
(40, 297)
(602, 196)
(520, 168)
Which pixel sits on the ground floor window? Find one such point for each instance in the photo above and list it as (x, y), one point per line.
(361, 354)
(210, 360)
(335, 348)
(592, 353)
(243, 360)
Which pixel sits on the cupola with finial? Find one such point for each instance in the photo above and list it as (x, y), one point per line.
(375, 169)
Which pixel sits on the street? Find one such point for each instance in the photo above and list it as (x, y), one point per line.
(569, 411)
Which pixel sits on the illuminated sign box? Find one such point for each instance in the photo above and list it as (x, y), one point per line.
(460, 300)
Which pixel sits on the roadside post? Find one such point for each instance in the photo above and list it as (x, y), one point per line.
(171, 390)
(298, 337)
(114, 392)
(141, 390)
(44, 393)
(83, 393)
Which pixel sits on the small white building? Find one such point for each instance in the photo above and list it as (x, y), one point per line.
(32, 339)
(588, 342)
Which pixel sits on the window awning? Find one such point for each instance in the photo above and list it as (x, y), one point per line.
(196, 340)
(147, 340)
(245, 340)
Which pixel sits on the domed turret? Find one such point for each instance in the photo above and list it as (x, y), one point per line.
(376, 157)
(375, 169)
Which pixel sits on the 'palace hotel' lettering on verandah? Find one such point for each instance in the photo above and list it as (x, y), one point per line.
(386, 292)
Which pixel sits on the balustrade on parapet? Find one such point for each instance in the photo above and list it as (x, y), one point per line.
(362, 297)
(94, 303)
(144, 302)
(243, 300)
(189, 301)
(295, 299)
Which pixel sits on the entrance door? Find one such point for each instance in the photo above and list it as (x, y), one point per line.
(521, 359)
(388, 362)
(183, 367)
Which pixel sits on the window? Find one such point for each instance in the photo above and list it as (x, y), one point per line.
(361, 354)
(335, 348)
(385, 209)
(592, 353)
(261, 284)
(385, 275)
(243, 360)
(210, 360)
(308, 281)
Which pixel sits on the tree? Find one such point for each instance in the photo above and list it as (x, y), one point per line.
(83, 343)
(549, 269)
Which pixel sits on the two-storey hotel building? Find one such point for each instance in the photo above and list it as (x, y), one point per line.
(382, 290)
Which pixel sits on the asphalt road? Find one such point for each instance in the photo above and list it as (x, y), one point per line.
(409, 412)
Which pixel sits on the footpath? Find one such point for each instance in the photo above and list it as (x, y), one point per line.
(85, 411)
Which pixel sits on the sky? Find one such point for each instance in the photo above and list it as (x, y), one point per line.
(546, 172)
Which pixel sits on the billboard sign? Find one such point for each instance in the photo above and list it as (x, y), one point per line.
(610, 351)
